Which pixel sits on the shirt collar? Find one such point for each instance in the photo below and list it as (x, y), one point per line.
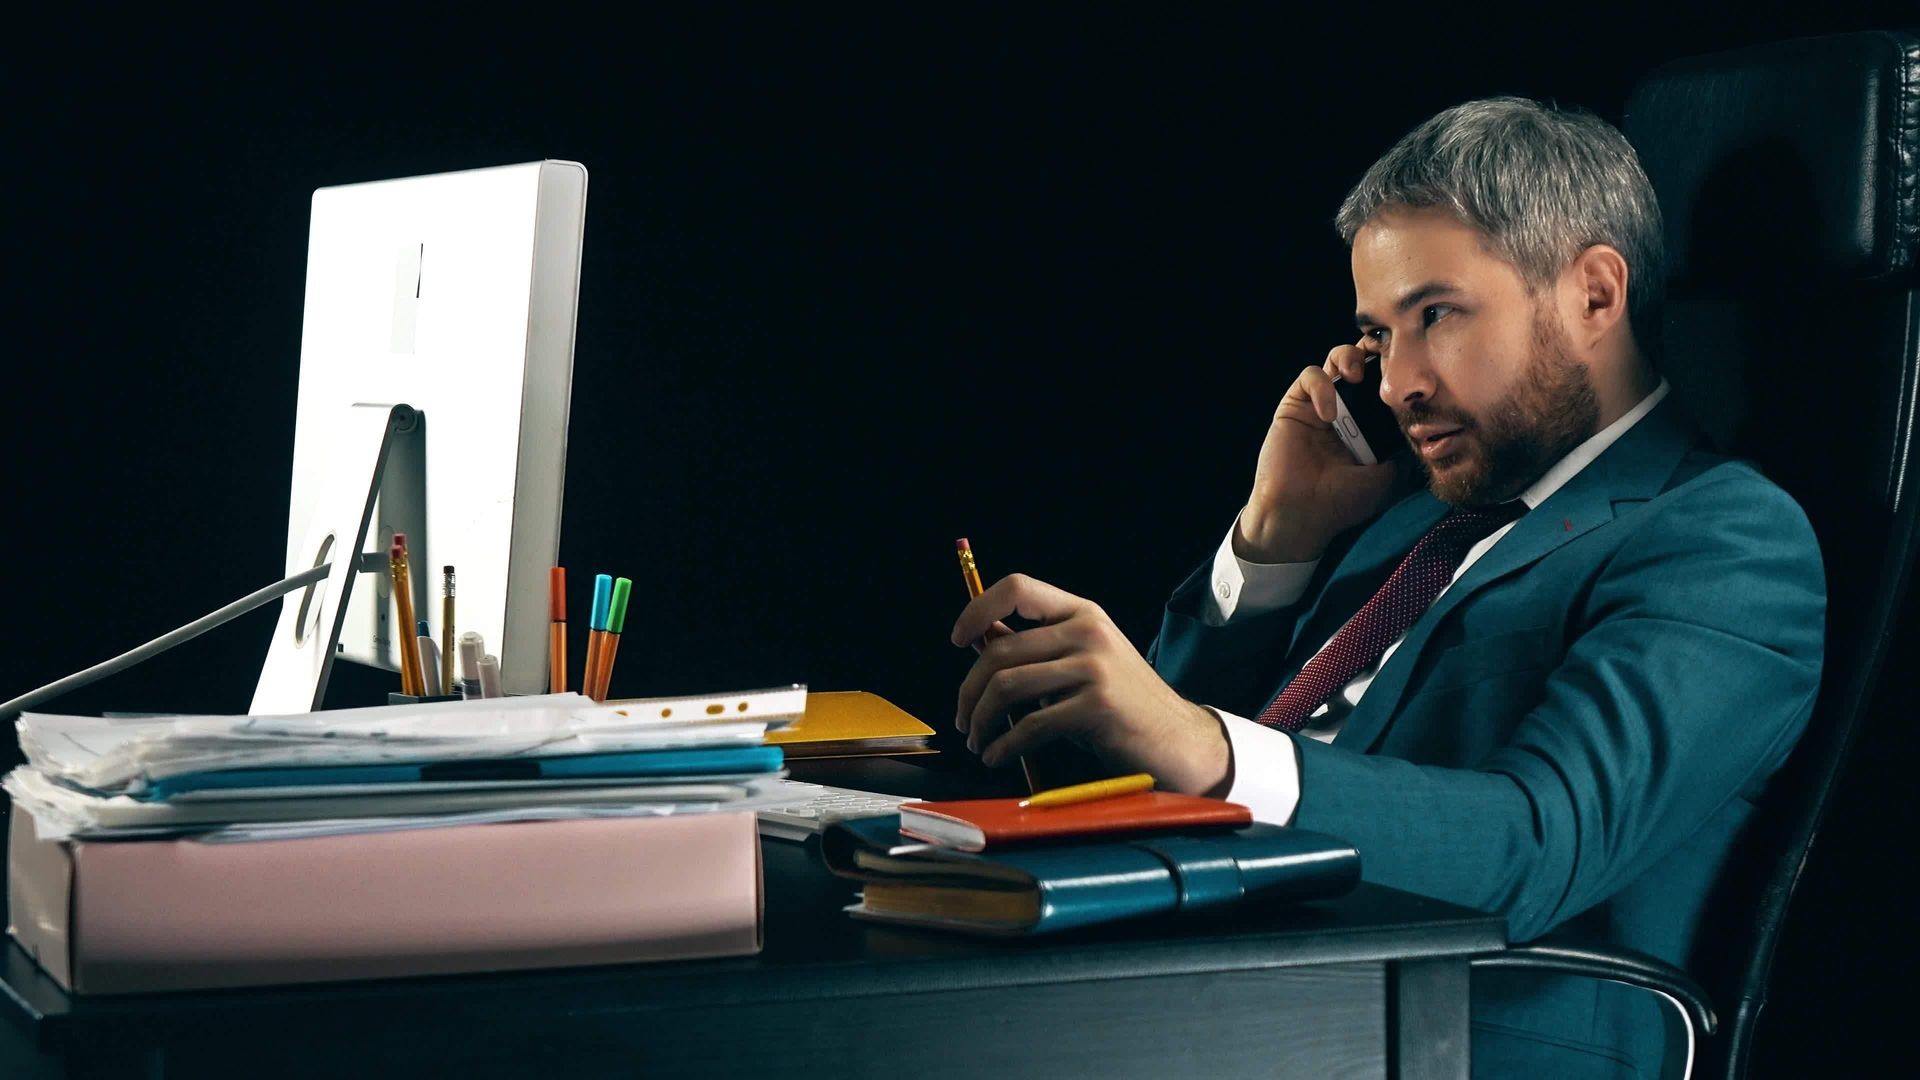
(1581, 456)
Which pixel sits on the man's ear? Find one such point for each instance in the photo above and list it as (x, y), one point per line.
(1598, 281)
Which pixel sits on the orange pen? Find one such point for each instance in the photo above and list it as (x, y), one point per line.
(557, 630)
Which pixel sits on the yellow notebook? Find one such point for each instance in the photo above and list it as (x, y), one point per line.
(852, 723)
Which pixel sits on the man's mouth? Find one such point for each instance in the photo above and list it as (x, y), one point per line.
(1435, 441)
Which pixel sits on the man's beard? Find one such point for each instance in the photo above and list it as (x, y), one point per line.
(1550, 412)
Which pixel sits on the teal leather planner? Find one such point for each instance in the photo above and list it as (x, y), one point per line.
(1045, 888)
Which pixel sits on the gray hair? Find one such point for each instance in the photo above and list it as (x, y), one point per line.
(1541, 182)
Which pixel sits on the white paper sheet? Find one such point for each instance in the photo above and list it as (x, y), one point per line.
(116, 755)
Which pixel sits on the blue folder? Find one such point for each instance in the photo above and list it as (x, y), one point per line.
(622, 765)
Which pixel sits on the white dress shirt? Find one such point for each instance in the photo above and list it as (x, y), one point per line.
(1266, 766)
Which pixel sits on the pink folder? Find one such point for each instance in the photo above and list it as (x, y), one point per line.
(118, 917)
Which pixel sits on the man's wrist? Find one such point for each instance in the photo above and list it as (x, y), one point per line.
(1261, 537)
(1213, 761)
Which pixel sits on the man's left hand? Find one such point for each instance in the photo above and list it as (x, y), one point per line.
(1098, 690)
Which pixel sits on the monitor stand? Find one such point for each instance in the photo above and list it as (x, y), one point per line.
(293, 678)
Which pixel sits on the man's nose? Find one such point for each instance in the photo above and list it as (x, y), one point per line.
(1406, 375)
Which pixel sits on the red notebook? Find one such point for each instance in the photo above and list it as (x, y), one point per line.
(977, 824)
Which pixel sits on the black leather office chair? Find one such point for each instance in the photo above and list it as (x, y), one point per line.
(1789, 176)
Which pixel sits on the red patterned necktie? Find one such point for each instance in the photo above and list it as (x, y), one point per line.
(1420, 577)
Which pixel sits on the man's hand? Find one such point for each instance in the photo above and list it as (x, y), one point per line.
(1099, 691)
(1306, 487)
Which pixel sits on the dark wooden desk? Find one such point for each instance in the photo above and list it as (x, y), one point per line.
(1371, 984)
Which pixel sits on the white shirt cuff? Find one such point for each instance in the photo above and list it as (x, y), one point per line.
(1251, 588)
(1266, 769)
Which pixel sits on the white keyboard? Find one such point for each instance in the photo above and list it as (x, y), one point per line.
(816, 806)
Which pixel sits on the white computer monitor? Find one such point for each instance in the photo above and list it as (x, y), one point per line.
(455, 295)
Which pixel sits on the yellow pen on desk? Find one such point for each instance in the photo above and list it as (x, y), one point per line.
(1098, 789)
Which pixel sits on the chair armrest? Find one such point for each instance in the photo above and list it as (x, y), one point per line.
(1619, 965)
(1622, 966)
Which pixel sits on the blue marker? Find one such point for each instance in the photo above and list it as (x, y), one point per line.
(597, 631)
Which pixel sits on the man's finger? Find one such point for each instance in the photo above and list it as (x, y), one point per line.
(1030, 598)
(1320, 391)
(1036, 645)
(1349, 362)
(1029, 682)
(997, 630)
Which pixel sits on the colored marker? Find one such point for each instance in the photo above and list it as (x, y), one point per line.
(410, 682)
(616, 622)
(597, 629)
(557, 630)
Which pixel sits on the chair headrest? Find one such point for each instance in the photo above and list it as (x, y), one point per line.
(1807, 149)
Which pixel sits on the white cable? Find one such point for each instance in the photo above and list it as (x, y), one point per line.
(165, 641)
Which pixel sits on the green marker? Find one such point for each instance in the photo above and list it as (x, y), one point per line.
(616, 622)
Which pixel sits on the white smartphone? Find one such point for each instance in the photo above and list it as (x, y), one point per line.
(1366, 424)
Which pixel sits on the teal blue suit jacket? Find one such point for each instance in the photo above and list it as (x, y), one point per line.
(1576, 730)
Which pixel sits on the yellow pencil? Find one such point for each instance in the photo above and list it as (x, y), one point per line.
(447, 637)
(1098, 789)
(412, 680)
(970, 572)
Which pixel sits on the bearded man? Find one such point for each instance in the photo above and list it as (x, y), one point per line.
(1548, 685)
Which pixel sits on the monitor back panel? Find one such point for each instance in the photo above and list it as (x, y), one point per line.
(456, 294)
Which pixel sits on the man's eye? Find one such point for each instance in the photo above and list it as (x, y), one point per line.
(1432, 318)
(1375, 333)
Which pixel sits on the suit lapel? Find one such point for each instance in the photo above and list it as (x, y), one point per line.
(1633, 469)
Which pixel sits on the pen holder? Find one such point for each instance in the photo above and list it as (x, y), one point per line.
(420, 699)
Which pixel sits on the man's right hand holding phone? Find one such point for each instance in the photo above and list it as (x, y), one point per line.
(1307, 488)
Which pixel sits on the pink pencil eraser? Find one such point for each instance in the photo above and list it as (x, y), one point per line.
(961, 545)
(399, 540)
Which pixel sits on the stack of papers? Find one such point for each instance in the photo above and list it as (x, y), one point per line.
(405, 766)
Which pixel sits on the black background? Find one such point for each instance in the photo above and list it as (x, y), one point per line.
(854, 284)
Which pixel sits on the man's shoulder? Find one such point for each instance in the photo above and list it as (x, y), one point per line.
(1702, 475)
(1708, 479)
(1714, 500)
